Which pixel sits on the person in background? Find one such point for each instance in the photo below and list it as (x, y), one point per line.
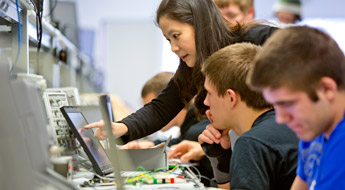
(288, 11)
(236, 10)
(195, 30)
(186, 120)
(300, 71)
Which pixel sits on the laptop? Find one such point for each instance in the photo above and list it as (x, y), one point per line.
(92, 147)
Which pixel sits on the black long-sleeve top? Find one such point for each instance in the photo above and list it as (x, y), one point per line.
(161, 110)
(191, 128)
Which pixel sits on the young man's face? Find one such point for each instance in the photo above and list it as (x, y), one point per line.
(219, 106)
(233, 14)
(285, 17)
(306, 118)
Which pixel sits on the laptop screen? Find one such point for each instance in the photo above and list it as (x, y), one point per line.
(91, 145)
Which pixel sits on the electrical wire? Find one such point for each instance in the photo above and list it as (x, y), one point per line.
(170, 171)
(19, 37)
(130, 179)
(52, 8)
(208, 179)
(148, 175)
(104, 178)
(199, 176)
(38, 5)
(196, 169)
(39, 18)
(193, 178)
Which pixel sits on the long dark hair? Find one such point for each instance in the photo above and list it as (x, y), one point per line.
(212, 32)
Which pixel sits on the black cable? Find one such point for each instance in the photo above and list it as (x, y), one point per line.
(52, 8)
(38, 5)
(40, 32)
(39, 16)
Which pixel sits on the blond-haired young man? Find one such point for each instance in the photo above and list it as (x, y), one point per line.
(265, 154)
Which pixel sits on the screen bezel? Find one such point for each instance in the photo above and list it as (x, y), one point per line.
(99, 169)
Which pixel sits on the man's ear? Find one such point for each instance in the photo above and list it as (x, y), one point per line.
(232, 97)
(328, 87)
(250, 13)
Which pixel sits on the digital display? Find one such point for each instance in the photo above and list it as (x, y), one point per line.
(87, 136)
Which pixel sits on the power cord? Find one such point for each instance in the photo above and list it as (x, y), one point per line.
(196, 169)
(193, 178)
(199, 176)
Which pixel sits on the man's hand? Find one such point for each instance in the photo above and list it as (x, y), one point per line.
(119, 129)
(138, 145)
(216, 145)
(186, 151)
(211, 135)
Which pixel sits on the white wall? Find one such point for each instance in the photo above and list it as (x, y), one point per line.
(133, 55)
(92, 12)
(128, 44)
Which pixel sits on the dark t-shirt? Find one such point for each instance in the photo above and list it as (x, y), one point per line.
(265, 157)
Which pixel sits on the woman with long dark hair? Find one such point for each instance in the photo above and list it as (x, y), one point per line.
(195, 30)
